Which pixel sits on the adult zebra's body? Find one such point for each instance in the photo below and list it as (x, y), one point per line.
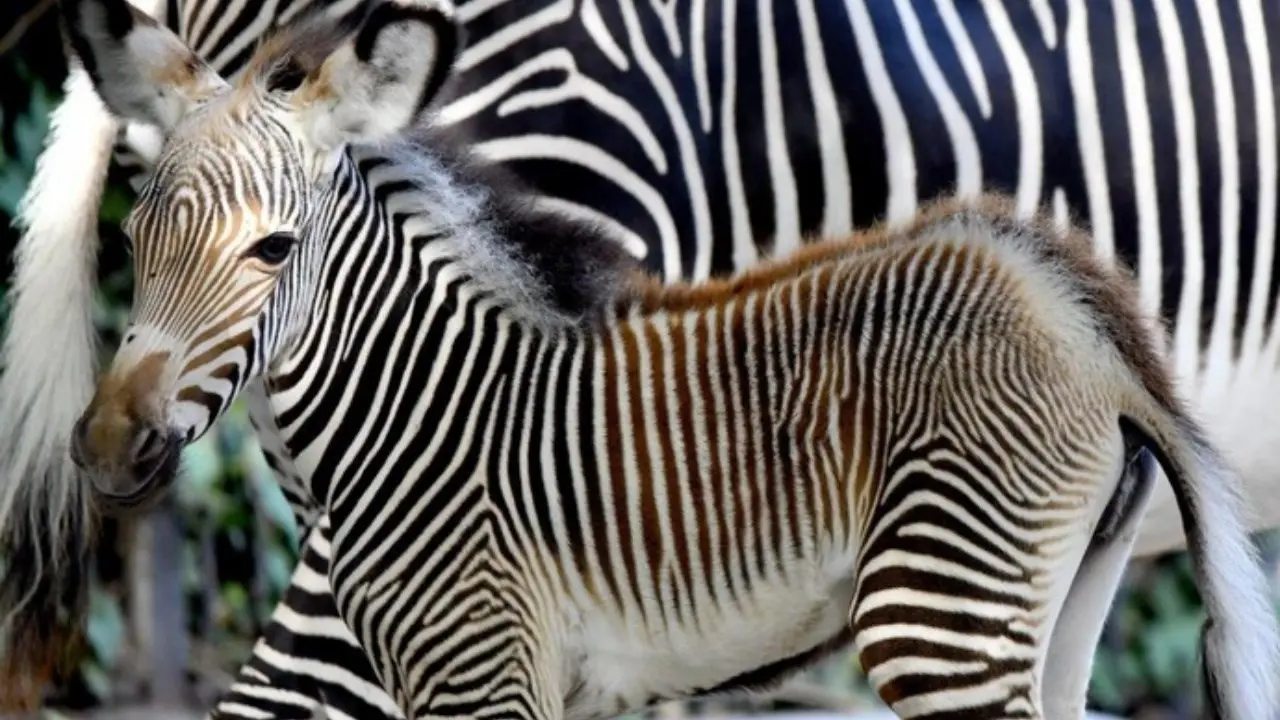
(930, 94)
(913, 441)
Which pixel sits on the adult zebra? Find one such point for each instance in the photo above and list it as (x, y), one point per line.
(651, 98)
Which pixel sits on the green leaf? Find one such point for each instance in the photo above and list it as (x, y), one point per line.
(280, 566)
(105, 628)
(202, 468)
(1105, 685)
(1168, 599)
(1171, 651)
(236, 598)
(13, 184)
(275, 506)
(116, 203)
(29, 130)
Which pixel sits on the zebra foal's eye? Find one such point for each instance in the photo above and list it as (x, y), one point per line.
(272, 249)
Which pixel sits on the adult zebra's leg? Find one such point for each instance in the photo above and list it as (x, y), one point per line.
(1079, 627)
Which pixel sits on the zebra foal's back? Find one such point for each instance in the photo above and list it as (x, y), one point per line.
(906, 439)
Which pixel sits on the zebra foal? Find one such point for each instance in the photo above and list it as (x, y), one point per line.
(558, 489)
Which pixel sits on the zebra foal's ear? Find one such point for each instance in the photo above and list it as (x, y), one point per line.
(140, 69)
(377, 82)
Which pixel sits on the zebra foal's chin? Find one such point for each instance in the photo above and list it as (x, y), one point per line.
(561, 489)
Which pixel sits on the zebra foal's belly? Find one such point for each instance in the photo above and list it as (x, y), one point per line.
(622, 663)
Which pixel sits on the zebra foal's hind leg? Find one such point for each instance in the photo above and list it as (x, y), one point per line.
(955, 609)
(1079, 627)
(929, 642)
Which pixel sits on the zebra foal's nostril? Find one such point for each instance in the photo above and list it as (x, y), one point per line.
(147, 445)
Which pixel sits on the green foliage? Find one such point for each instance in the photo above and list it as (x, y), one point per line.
(28, 129)
(1153, 648)
(106, 632)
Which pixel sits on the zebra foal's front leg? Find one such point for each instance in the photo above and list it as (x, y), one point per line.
(464, 638)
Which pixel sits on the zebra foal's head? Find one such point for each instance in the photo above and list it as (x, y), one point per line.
(227, 233)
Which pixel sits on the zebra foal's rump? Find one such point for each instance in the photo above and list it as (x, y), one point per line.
(928, 424)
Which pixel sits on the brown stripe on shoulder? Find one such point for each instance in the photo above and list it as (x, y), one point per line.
(649, 294)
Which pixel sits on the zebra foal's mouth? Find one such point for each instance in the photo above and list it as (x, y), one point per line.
(155, 458)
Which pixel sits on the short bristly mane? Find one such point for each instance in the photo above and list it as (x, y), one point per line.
(289, 53)
(1109, 289)
(550, 269)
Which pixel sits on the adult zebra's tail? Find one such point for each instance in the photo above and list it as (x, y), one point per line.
(47, 378)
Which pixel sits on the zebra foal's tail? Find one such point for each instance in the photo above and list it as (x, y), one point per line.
(1241, 640)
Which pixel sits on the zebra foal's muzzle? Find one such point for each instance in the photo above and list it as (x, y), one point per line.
(151, 465)
(129, 453)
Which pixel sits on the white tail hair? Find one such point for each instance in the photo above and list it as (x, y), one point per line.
(1241, 640)
(1241, 652)
(48, 363)
(48, 360)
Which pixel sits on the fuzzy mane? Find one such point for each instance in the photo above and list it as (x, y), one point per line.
(289, 53)
(550, 268)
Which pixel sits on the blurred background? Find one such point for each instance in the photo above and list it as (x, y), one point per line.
(181, 595)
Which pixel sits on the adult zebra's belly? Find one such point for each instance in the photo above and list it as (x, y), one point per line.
(619, 663)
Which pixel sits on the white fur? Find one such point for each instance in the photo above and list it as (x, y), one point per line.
(128, 70)
(1244, 643)
(48, 353)
(366, 108)
(439, 204)
(1241, 420)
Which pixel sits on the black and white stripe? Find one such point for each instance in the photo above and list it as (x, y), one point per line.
(1156, 122)
(905, 441)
